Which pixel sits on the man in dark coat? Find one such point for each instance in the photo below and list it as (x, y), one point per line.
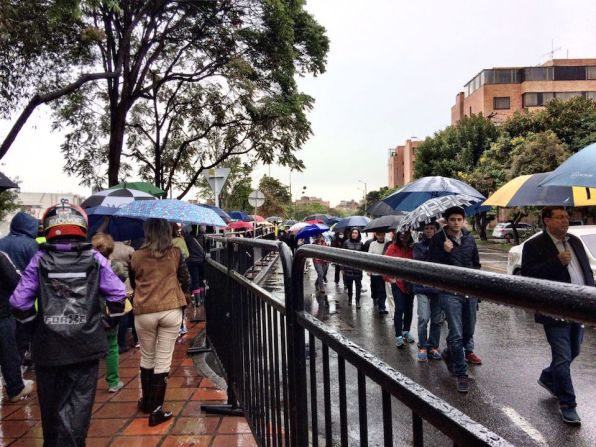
(454, 245)
(559, 256)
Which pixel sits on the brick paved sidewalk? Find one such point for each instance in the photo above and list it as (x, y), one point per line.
(117, 422)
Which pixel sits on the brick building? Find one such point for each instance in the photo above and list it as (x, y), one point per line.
(306, 200)
(401, 163)
(499, 92)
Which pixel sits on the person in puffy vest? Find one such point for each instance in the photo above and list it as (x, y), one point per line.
(73, 283)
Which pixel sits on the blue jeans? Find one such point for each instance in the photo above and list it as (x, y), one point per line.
(461, 319)
(377, 290)
(565, 341)
(429, 309)
(404, 306)
(321, 269)
(10, 361)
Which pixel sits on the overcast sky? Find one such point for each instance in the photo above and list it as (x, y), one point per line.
(394, 68)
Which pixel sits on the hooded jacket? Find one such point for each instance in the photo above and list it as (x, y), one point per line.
(20, 244)
(9, 278)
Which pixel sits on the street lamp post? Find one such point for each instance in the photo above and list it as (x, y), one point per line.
(365, 198)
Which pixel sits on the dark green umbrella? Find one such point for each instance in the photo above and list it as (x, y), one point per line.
(142, 186)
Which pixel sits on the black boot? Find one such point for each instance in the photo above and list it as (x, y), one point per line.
(146, 380)
(158, 393)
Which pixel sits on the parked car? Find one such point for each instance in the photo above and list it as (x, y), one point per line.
(504, 230)
(586, 234)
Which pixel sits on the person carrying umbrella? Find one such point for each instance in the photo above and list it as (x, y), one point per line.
(159, 277)
(351, 275)
(321, 266)
(402, 290)
(455, 245)
(378, 246)
(429, 305)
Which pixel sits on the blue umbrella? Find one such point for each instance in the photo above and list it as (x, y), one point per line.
(577, 170)
(351, 222)
(311, 230)
(172, 210)
(221, 213)
(240, 215)
(120, 228)
(414, 194)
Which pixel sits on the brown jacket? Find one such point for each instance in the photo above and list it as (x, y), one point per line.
(158, 282)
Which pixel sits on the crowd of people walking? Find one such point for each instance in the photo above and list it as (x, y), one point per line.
(555, 254)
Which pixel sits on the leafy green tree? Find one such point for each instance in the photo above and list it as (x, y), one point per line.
(456, 149)
(9, 202)
(540, 152)
(300, 211)
(573, 121)
(277, 197)
(245, 51)
(248, 52)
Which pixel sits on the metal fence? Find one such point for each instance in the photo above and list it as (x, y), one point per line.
(290, 396)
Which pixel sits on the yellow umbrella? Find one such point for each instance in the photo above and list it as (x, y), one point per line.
(524, 191)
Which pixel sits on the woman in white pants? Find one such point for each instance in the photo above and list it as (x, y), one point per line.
(159, 277)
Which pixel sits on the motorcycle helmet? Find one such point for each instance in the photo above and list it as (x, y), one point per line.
(65, 220)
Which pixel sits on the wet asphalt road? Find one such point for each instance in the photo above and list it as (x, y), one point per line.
(504, 395)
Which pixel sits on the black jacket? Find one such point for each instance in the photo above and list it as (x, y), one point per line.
(9, 278)
(464, 254)
(350, 272)
(539, 260)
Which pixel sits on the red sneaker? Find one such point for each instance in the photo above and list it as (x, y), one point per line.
(473, 359)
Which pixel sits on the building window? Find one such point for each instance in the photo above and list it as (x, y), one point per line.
(501, 103)
(591, 73)
(531, 100)
(503, 77)
(538, 74)
(570, 73)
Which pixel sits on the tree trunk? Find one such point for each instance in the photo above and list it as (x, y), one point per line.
(482, 223)
(117, 128)
(517, 217)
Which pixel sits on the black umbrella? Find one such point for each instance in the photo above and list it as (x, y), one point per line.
(380, 208)
(383, 223)
(6, 183)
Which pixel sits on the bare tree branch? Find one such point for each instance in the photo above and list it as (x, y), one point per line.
(48, 97)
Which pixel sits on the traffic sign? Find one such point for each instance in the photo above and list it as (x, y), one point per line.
(256, 198)
(216, 177)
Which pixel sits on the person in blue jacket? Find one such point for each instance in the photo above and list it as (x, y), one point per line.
(20, 245)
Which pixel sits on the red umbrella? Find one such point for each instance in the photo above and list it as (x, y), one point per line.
(240, 226)
(257, 218)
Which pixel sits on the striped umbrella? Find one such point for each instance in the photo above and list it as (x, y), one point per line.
(115, 198)
(172, 210)
(524, 191)
(434, 209)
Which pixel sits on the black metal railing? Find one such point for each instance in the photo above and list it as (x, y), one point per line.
(246, 329)
(290, 372)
